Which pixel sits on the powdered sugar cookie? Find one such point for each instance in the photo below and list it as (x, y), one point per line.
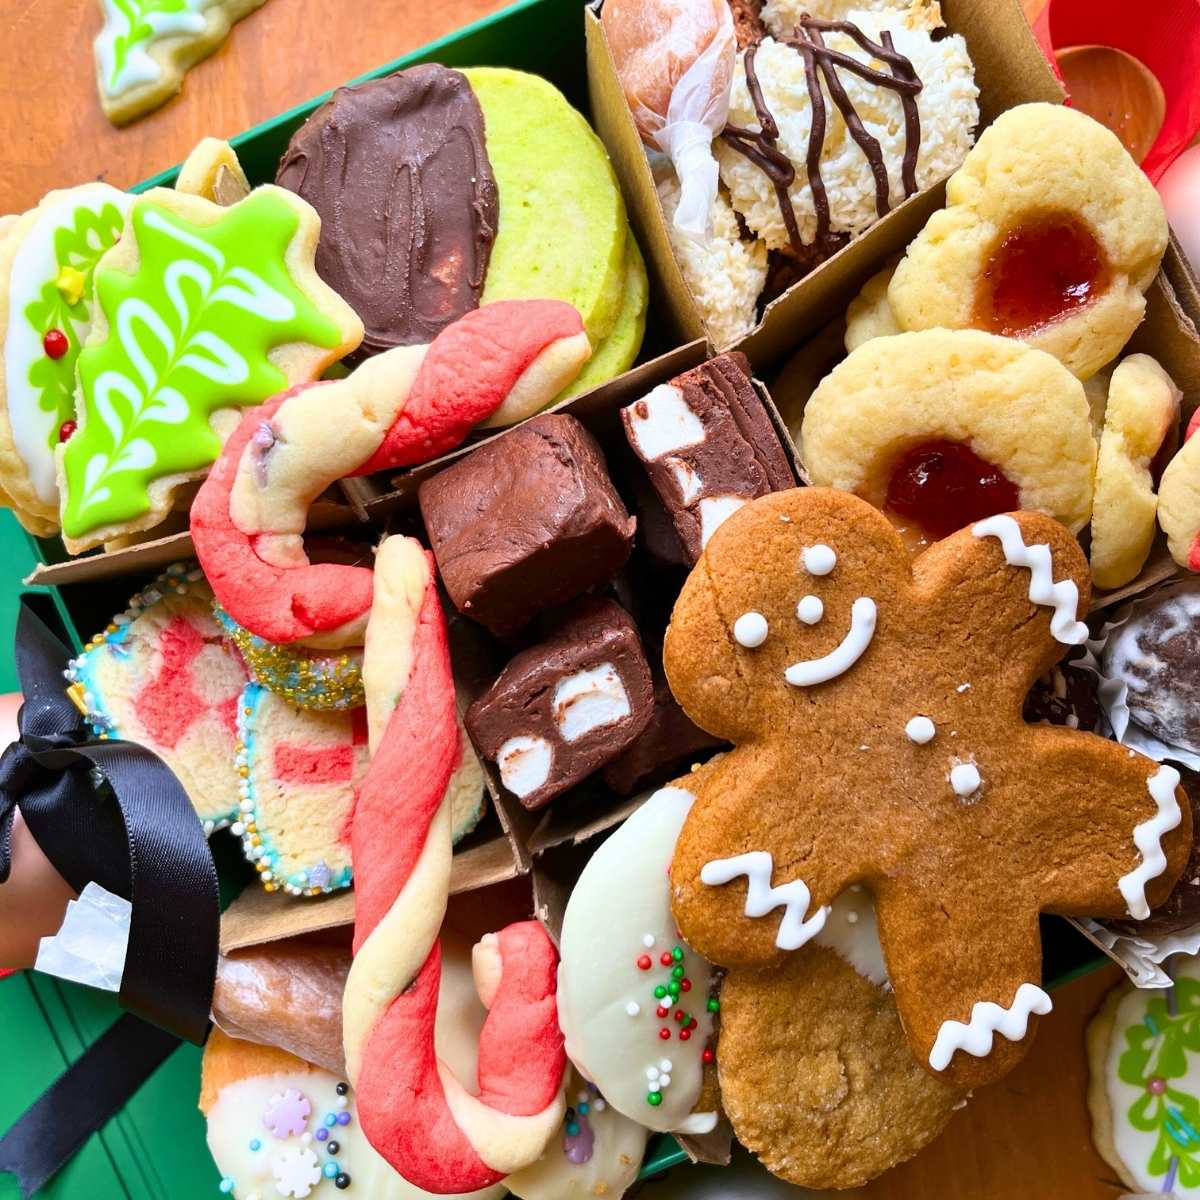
(146, 46)
(1179, 501)
(162, 674)
(943, 427)
(1144, 1083)
(156, 379)
(1142, 412)
(47, 263)
(634, 1001)
(1051, 233)
(300, 770)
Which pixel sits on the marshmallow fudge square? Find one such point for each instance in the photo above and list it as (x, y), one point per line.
(567, 706)
(708, 446)
(526, 522)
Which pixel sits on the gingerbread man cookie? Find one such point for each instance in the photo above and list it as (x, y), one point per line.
(874, 704)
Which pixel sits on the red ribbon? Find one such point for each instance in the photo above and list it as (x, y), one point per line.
(1165, 37)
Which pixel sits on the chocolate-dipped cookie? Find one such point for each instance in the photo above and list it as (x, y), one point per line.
(441, 190)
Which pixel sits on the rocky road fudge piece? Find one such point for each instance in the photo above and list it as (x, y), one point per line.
(526, 522)
(708, 446)
(669, 741)
(566, 706)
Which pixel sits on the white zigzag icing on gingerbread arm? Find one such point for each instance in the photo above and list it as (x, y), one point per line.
(1037, 559)
(762, 898)
(1147, 837)
(987, 1019)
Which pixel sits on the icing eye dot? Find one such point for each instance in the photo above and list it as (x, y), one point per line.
(920, 730)
(750, 630)
(810, 609)
(965, 779)
(819, 559)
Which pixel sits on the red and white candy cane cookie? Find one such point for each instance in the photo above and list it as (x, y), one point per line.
(399, 408)
(435, 1131)
(1179, 500)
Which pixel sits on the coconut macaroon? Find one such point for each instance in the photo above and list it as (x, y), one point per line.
(725, 274)
(782, 16)
(946, 105)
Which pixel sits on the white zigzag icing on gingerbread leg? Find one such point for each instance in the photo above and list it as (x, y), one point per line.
(1147, 837)
(762, 898)
(988, 1019)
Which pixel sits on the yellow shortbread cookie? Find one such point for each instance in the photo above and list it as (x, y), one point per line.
(870, 314)
(1143, 408)
(1179, 503)
(1050, 232)
(1015, 407)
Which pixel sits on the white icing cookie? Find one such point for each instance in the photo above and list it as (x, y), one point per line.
(46, 267)
(617, 932)
(598, 1154)
(146, 46)
(1144, 1086)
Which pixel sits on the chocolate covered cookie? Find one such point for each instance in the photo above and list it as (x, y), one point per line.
(564, 707)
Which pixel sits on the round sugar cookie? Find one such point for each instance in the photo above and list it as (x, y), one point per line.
(869, 315)
(625, 977)
(816, 1075)
(881, 420)
(1144, 1082)
(300, 770)
(1051, 233)
(1142, 412)
(161, 674)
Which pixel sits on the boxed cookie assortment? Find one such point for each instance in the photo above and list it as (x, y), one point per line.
(637, 655)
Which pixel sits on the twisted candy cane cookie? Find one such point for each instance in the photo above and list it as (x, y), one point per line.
(401, 407)
(414, 1110)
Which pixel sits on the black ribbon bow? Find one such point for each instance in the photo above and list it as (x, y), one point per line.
(114, 813)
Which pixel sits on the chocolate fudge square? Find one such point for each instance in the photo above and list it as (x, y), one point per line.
(708, 446)
(566, 706)
(526, 522)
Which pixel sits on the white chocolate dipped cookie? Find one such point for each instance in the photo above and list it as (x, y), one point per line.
(626, 978)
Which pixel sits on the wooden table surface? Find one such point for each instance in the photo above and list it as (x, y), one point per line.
(1024, 1139)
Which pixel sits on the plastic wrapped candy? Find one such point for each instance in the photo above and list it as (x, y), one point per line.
(675, 62)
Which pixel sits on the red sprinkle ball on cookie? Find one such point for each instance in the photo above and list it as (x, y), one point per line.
(55, 343)
(65, 430)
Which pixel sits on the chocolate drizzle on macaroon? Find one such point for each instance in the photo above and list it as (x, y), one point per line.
(759, 145)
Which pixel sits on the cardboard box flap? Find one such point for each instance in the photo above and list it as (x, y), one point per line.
(257, 917)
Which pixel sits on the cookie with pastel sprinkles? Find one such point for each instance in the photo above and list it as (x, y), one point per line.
(299, 770)
(162, 674)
